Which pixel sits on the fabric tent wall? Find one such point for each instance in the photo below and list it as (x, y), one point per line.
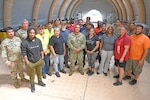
(56, 10)
(43, 11)
(1, 14)
(21, 10)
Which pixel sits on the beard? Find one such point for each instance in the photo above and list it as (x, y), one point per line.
(138, 33)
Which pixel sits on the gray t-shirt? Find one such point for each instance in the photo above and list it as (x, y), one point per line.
(108, 42)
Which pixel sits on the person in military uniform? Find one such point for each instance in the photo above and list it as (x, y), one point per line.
(11, 54)
(76, 43)
(22, 32)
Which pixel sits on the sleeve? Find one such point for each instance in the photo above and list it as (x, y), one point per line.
(96, 38)
(24, 48)
(51, 41)
(41, 47)
(4, 51)
(127, 41)
(102, 38)
(69, 42)
(146, 43)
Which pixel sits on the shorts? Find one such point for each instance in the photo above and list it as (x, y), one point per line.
(118, 64)
(132, 65)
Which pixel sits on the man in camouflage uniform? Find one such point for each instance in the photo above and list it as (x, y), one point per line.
(76, 43)
(11, 54)
(22, 33)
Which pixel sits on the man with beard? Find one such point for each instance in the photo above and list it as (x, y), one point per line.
(140, 45)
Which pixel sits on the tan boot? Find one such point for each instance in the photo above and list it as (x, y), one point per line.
(24, 80)
(16, 85)
(71, 72)
(81, 72)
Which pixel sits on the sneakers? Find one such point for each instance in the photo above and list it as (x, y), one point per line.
(133, 82)
(32, 87)
(88, 71)
(63, 71)
(91, 73)
(117, 76)
(117, 83)
(98, 73)
(41, 83)
(127, 77)
(49, 73)
(16, 85)
(81, 72)
(57, 74)
(24, 80)
(44, 76)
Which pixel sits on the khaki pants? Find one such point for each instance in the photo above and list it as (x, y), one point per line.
(17, 66)
(35, 68)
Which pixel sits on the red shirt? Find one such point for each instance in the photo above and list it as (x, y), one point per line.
(71, 27)
(119, 47)
(97, 30)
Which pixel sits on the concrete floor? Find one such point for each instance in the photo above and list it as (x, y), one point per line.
(76, 87)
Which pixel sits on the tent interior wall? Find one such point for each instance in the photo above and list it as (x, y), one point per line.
(46, 10)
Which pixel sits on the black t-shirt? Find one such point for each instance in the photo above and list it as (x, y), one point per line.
(91, 42)
(57, 44)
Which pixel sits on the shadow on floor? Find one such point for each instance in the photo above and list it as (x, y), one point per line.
(6, 79)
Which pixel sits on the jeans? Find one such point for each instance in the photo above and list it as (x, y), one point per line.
(105, 60)
(45, 67)
(59, 59)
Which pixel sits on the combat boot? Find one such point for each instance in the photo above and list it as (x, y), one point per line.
(81, 72)
(24, 80)
(32, 87)
(16, 85)
(41, 83)
(71, 72)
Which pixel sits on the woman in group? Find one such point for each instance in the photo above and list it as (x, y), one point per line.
(32, 52)
(106, 50)
(122, 45)
(92, 44)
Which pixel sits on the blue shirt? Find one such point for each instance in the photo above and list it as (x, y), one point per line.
(64, 34)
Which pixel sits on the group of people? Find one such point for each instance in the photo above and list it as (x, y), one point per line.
(71, 43)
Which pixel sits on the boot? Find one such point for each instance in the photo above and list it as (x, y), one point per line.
(41, 83)
(32, 87)
(16, 85)
(81, 72)
(24, 80)
(71, 72)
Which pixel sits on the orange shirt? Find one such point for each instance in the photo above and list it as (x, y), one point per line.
(97, 30)
(138, 44)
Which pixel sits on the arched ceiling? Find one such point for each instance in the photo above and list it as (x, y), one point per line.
(41, 11)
